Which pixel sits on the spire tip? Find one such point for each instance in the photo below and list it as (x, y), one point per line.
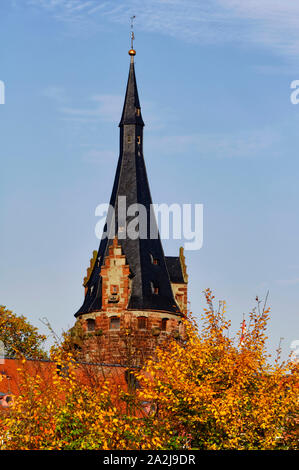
(132, 51)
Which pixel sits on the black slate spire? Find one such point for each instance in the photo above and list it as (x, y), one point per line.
(131, 111)
(151, 287)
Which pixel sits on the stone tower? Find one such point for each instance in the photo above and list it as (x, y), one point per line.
(135, 297)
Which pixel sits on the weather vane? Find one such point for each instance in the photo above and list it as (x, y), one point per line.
(132, 52)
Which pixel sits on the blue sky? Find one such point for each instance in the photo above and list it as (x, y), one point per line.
(214, 83)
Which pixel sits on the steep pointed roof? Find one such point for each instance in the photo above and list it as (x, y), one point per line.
(130, 114)
(150, 286)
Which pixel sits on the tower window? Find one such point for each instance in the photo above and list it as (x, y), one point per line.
(114, 323)
(154, 260)
(129, 139)
(164, 324)
(138, 140)
(114, 289)
(137, 111)
(91, 324)
(155, 288)
(141, 323)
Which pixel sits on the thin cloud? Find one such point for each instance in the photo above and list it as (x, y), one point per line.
(105, 108)
(55, 93)
(241, 145)
(272, 24)
(288, 282)
(108, 108)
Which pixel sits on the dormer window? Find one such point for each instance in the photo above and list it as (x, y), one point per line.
(155, 288)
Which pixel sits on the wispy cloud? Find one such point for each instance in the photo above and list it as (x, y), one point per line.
(288, 282)
(105, 108)
(240, 145)
(108, 108)
(55, 93)
(270, 23)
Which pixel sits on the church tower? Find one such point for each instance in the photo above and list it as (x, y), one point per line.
(135, 297)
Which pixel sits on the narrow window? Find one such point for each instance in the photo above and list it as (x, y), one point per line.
(91, 324)
(141, 323)
(137, 111)
(164, 324)
(138, 140)
(114, 323)
(114, 289)
(129, 139)
(155, 288)
(154, 260)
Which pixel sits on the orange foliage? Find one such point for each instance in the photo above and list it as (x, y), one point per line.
(208, 392)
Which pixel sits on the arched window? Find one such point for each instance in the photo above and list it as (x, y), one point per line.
(141, 323)
(91, 324)
(114, 323)
(164, 324)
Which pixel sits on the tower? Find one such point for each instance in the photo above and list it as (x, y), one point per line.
(135, 297)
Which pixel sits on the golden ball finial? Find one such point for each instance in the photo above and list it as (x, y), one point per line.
(132, 52)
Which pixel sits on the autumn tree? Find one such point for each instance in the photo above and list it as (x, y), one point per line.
(210, 391)
(221, 392)
(19, 336)
(56, 408)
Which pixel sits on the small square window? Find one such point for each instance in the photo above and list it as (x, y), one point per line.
(91, 324)
(114, 289)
